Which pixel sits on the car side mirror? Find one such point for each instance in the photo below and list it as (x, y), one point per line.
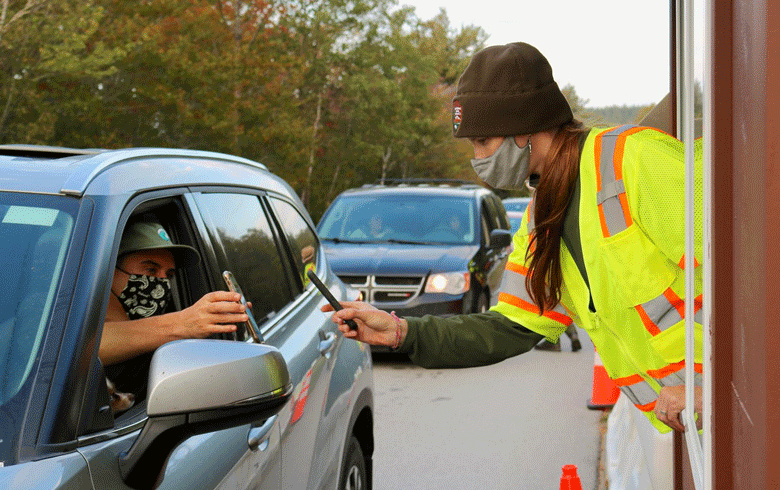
(199, 386)
(500, 238)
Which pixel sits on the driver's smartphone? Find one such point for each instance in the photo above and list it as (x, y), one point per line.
(329, 296)
(251, 324)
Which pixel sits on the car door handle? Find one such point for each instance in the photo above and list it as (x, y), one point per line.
(259, 436)
(326, 341)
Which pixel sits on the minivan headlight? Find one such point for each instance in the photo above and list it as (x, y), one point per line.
(448, 282)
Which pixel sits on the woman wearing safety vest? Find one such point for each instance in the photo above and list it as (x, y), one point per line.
(601, 245)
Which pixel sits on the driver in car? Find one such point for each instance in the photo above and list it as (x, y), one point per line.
(376, 229)
(136, 318)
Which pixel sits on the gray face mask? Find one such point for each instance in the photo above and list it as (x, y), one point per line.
(507, 167)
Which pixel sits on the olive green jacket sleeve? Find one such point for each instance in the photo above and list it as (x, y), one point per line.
(465, 340)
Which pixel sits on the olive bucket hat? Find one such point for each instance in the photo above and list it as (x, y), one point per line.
(152, 236)
(507, 90)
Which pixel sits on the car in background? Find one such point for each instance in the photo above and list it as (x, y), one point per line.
(225, 412)
(515, 218)
(516, 204)
(418, 246)
(515, 209)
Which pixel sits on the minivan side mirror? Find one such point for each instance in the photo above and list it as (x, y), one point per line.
(500, 238)
(199, 386)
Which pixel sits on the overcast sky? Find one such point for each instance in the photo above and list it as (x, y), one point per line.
(613, 52)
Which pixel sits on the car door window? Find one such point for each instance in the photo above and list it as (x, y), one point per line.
(503, 220)
(300, 237)
(492, 213)
(251, 249)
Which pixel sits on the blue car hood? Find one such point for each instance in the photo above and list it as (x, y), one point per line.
(398, 259)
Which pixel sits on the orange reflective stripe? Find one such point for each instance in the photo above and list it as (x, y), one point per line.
(610, 185)
(672, 368)
(639, 391)
(682, 262)
(525, 305)
(518, 302)
(620, 146)
(649, 325)
(666, 371)
(603, 220)
(662, 312)
(675, 301)
(647, 407)
(628, 380)
(520, 269)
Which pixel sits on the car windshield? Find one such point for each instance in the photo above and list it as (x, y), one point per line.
(516, 204)
(400, 218)
(34, 233)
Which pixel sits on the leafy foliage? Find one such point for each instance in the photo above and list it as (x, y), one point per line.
(329, 94)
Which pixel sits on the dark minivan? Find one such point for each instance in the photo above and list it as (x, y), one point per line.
(419, 247)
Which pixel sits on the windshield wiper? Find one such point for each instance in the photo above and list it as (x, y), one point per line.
(343, 240)
(407, 242)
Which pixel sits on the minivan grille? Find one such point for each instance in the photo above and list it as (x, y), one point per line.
(385, 289)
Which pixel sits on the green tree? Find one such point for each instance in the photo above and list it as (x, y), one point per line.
(50, 57)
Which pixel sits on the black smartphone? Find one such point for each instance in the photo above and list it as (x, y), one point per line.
(251, 324)
(329, 296)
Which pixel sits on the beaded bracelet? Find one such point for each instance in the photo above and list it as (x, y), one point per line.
(397, 331)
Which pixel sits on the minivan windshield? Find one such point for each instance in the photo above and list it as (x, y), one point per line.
(400, 218)
(34, 233)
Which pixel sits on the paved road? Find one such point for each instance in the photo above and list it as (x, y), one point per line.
(512, 425)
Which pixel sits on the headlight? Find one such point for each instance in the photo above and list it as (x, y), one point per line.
(448, 282)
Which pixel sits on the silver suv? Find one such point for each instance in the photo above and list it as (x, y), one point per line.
(227, 412)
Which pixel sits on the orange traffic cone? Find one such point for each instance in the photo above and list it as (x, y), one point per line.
(570, 480)
(605, 391)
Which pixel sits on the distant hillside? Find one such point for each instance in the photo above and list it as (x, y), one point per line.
(613, 115)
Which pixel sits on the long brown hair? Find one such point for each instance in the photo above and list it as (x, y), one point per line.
(551, 199)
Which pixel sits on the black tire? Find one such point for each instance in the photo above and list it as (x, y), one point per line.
(354, 475)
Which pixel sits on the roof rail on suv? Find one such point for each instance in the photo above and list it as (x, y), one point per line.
(424, 181)
(38, 151)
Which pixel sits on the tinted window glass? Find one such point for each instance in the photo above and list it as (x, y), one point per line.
(302, 239)
(251, 250)
(33, 242)
(494, 214)
(502, 216)
(516, 204)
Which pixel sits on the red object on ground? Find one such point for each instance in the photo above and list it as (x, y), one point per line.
(605, 391)
(570, 479)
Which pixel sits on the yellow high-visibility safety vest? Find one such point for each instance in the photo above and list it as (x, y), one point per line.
(632, 229)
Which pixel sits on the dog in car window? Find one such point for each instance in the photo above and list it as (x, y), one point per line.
(119, 401)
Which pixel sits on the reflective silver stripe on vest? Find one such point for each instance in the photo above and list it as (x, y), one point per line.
(678, 378)
(640, 393)
(661, 312)
(531, 216)
(611, 187)
(514, 283)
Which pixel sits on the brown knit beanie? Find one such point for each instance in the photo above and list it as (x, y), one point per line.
(505, 91)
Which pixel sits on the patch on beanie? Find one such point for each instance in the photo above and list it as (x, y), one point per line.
(457, 115)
